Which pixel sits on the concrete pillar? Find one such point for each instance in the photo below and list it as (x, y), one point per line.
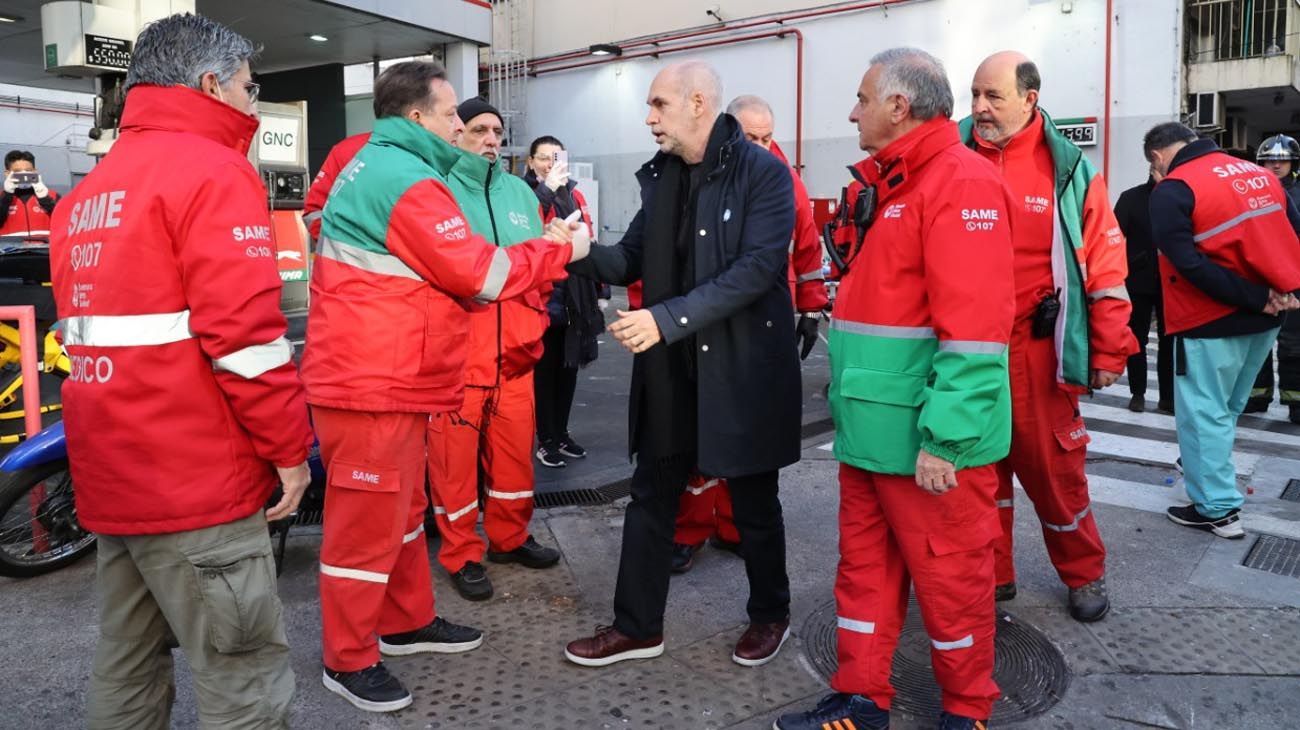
(462, 69)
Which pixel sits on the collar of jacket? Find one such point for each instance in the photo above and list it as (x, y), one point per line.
(405, 134)
(1191, 151)
(182, 109)
(1022, 144)
(474, 168)
(908, 153)
(1065, 154)
(723, 139)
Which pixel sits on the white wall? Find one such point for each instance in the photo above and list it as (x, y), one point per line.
(599, 111)
(58, 140)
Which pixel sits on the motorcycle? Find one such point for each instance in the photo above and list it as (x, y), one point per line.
(39, 531)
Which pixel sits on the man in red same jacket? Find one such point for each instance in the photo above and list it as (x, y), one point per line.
(705, 507)
(313, 208)
(183, 409)
(1071, 332)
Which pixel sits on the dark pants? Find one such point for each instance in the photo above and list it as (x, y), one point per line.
(1140, 322)
(1288, 366)
(646, 562)
(553, 386)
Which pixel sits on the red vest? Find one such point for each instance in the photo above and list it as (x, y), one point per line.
(1239, 222)
(33, 221)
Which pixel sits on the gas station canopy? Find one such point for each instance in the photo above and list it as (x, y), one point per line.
(355, 31)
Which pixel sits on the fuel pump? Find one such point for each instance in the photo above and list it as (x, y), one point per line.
(280, 155)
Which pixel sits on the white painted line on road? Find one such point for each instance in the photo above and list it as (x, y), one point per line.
(1134, 447)
(1158, 420)
(829, 445)
(1155, 498)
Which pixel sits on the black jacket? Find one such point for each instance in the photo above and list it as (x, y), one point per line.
(739, 310)
(1133, 213)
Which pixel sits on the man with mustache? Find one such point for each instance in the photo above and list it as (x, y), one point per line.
(1071, 329)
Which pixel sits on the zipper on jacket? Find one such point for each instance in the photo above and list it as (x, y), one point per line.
(492, 219)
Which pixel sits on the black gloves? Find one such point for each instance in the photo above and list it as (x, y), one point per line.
(805, 334)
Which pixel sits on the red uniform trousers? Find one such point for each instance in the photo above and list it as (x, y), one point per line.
(493, 431)
(893, 533)
(704, 511)
(374, 565)
(1048, 455)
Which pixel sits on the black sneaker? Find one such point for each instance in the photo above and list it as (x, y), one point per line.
(837, 710)
(547, 456)
(1137, 404)
(684, 557)
(1090, 602)
(1165, 406)
(949, 721)
(1004, 591)
(531, 554)
(439, 637)
(371, 689)
(1256, 405)
(472, 582)
(571, 448)
(1227, 526)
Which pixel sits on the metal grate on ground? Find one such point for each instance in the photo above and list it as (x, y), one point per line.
(1292, 491)
(1030, 671)
(1273, 554)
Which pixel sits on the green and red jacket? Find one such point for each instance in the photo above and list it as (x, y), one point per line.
(397, 272)
(919, 333)
(505, 338)
(1089, 266)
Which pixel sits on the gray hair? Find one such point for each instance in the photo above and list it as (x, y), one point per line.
(700, 76)
(1165, 135)
(918, 76)
(179, 49)
(749, 102)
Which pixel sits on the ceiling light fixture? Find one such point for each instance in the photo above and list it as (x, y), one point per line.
(605, 49)
(318, 37)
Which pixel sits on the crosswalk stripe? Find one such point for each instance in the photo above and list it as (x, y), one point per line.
(1159, 420)
(1162, 452)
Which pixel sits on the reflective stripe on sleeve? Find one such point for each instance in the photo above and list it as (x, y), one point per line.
(498, 272)
(372, 261)
(1112, 292)
(817, 275)
(126, 330)
(313, 216)
(252, 361)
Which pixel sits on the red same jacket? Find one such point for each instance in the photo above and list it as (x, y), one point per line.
(182, 394)
(340, 154)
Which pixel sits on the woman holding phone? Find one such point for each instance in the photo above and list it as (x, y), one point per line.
(25, 204)
(574, 308)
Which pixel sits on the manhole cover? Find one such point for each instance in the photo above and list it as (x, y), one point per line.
(1030, 671)
(1276, 555)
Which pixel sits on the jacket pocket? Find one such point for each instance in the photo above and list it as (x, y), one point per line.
(1073, 435)
(361, 502)
(875, 414)
(237, 592)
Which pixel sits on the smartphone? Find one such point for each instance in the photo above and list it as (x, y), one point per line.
(561, 156)
(25, 179)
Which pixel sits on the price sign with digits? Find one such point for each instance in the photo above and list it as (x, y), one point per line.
(108, 52)
(1082, 132)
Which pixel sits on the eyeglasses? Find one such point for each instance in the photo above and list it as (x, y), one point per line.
(254, 90)
(842, 253)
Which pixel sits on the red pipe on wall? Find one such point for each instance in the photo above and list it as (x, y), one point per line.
(731, 40)
(1105, 149)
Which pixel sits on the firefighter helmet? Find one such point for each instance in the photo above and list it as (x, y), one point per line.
(1278, 147)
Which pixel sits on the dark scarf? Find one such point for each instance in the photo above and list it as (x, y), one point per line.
(668, 427)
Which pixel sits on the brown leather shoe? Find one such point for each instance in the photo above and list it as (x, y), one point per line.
(609, 645)
(760, 643)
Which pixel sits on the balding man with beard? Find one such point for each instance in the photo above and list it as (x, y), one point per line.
(715, 382)
(1071, 329)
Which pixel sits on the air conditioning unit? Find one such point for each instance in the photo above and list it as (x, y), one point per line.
(1206, 110)
(582, 170)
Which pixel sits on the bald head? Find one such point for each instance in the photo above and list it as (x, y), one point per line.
(1004, 96)
(685, 100)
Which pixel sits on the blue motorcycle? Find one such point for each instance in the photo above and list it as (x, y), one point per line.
(39, 531)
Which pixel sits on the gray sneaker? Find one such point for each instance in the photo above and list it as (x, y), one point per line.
(1090, 603)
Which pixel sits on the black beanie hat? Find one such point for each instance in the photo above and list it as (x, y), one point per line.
(471, 108)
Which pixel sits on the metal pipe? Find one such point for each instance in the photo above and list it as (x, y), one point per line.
(730, 40)
(1105, 149)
